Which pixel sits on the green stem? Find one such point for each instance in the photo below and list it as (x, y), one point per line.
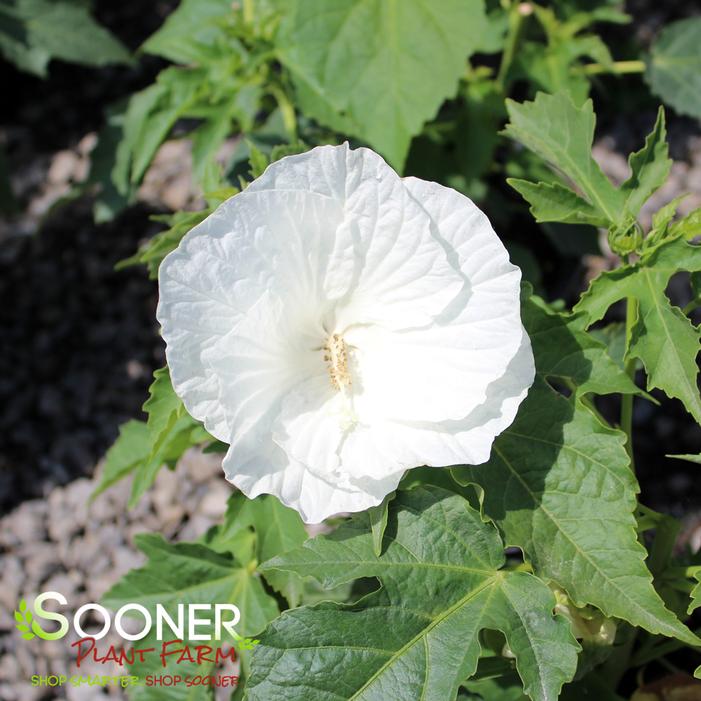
(249, 12)
(694, 304)
(287, 109)
(663, 545)
(627, 399)
(617, 68)
(517, 14)
(655, 649)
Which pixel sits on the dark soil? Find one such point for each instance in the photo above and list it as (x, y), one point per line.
(79, 344)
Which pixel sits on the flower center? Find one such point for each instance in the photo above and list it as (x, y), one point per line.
(336, 356)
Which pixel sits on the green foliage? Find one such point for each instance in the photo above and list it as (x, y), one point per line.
(33, 32)
(561, 133)
(556, 66)
(696, 593)
(663, 338)
(262, 528)
(224, 80)
(559, 483)
(189, 573)
(157, 248)
(378, 70)
(674, 66)
(443, 581)
(687, 457)
(144, 447)
(649, 167)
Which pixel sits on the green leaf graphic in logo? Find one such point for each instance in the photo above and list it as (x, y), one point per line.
(23, 621)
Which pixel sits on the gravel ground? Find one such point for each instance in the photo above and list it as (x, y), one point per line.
(65, 544)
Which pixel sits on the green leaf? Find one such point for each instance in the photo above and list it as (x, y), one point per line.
(171, 432)
(156, 249)
(562, 134)
(143, 448)
(188, 573)
(375, 69)
(210, 135)
(689, 226)
(194, 24)
(559, 483)
(665, 341)
(378, 522)
(131, 447)
(418, 636)
(674, 67)
(163, 404)
(687, 457)
(505, 688)
(32, 32)
(695, 594)
(565, 351)
(661, 220)
(259, 161)
(277, 528)
(649, 167)
(108, 201)
(553, 202)
(150, 116)
(166, 449)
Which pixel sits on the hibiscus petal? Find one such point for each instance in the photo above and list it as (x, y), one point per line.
(443, 371)
(402, 275)
(396, 445)
(313, 497)
(338, 325)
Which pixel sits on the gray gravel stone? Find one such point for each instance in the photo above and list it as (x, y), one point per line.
(40, 560)
(27, 524)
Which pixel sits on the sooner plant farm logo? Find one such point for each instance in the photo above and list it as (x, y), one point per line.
(209, 630)
(189, 621)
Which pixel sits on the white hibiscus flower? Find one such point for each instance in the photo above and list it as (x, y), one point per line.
(338, 325)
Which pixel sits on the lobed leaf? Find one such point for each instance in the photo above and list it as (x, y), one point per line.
(562, 134)
(418, 636)
(276, 528)
(553, 202)
(695, 594)
(649, 167)
(559, 483)
(663, 338)
(188, 573)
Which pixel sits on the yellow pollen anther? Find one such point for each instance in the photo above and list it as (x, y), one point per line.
(336, 355)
